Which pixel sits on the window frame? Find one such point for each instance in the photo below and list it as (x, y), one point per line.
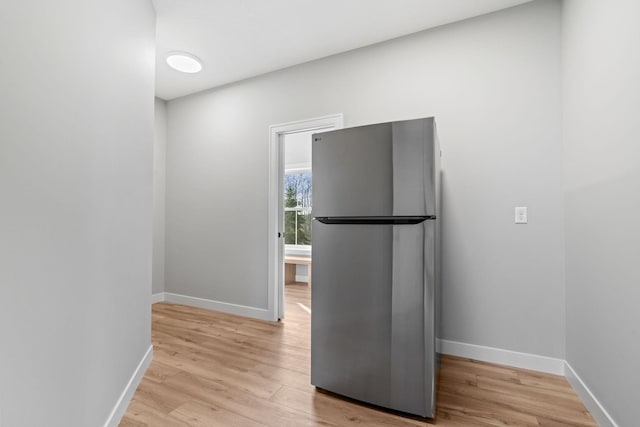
(299, 250)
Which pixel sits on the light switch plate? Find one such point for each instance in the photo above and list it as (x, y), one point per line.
(521, 215)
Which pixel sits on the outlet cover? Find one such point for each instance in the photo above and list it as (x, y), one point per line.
(521, 215)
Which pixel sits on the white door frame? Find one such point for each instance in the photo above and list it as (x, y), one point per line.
(275, 250)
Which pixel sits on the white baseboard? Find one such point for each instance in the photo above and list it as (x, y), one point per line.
(225, 307)
(499, 356)
(159, 297)
(123, 401)
(596, 409)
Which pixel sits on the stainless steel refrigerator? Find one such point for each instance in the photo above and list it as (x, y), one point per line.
(376, 264)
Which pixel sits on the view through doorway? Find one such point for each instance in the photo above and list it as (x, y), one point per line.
(297, 206)
(291, 206)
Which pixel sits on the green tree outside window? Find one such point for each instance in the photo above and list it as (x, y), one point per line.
(297, 208)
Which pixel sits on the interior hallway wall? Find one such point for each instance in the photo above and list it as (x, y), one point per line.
(76, 137)
(602, 200)
(159, 191)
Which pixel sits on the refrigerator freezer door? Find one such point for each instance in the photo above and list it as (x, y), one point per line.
(372, 314)
(376, 170)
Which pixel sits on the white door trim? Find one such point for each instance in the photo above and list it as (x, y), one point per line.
(276, 165)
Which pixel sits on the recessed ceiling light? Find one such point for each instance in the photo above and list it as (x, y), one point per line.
(185, 62)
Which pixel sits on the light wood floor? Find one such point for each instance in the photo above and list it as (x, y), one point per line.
(214, 369)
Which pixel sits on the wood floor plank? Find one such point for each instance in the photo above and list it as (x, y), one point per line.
(340, 412)
(143, 415)
(221, 347)
(217, 369)
(525, 403)
(198, 414)
(237, 401)
(160, 398)
(252, 384)
(483, 412)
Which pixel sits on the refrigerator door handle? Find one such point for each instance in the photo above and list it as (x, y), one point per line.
(375, 220)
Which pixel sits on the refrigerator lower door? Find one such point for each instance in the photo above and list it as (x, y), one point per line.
(373, 314)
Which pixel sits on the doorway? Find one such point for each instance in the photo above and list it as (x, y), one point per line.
(290, 206)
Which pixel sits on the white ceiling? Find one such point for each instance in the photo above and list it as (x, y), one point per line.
(237, 39)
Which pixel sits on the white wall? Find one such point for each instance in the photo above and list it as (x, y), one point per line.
(297, 150)
(602, 200)
(493, 84)
(159, 191)
(76, 135)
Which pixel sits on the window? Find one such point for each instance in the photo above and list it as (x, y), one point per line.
(297, 208)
